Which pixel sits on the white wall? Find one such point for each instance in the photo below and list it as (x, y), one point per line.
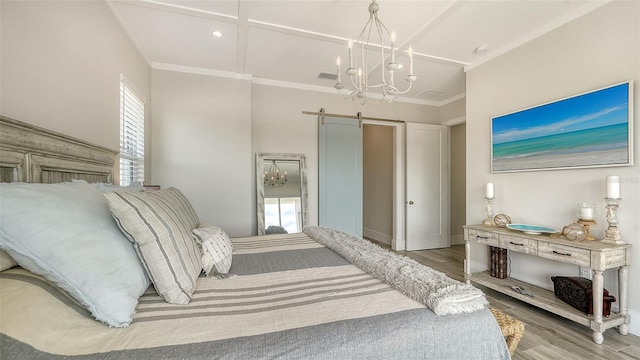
(458, 197)
(453, 110)
(60, 65)
(599, 49)
(202, 145)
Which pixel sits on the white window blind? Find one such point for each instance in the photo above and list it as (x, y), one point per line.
(131, 136)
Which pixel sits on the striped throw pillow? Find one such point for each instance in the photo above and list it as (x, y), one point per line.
(159, 223)
(217, 249)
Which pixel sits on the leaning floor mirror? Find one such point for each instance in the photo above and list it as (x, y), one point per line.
(281, 193)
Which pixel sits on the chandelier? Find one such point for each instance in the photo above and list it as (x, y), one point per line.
(358, 69)
(273, 177)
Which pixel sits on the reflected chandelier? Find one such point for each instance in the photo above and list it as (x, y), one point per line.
(358, 69)
(273, 177)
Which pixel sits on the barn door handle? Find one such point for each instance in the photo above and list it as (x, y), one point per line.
(410, 202)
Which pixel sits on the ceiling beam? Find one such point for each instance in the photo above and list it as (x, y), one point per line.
(179, 9)
(242, 37)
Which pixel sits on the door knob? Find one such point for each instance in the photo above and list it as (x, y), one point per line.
(410, 202)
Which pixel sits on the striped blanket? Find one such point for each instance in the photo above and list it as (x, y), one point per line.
(288, 297)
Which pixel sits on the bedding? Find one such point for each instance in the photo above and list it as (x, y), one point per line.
(288, 296)
(216, 248)
(65, 233)
(159, 224)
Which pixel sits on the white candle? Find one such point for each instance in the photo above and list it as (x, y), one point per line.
(586, 213)
(489, 192)
(393, 46)
(338, 64)
(410, 60)
(350, 44)
(613, 187)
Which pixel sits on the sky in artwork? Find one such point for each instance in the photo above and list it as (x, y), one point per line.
(596, 109)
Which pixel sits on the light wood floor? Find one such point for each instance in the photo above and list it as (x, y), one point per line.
(547, 336)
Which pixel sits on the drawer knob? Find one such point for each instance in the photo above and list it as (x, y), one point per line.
(516, 244)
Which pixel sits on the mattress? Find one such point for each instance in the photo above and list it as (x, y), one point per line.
(287, 297)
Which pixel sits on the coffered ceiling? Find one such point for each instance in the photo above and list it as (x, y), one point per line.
(291, 42)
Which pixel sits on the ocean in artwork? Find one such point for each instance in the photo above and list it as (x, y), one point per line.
(605, 145)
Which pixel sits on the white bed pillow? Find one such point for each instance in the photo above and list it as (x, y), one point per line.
(6, 261)
(217, 249)
(159, 223)
(65, 233)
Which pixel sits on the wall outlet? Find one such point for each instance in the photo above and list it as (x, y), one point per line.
(585, 272)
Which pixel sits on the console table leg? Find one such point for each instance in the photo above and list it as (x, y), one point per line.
(622, 288)
(598, 289)
(598, 338)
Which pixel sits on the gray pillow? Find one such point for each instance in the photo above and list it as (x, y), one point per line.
(65, 233)
(159, 223)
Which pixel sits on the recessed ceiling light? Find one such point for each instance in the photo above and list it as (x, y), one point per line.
(217, 34)
(481, 49)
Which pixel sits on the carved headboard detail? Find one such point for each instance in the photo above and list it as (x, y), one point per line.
(33, 154)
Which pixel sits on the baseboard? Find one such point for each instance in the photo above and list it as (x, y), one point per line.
(634, 326)
(457, 239)
(377, 236)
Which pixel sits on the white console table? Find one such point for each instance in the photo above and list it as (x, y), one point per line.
(590, 254)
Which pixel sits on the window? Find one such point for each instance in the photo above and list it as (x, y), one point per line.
(131, 136)
(285, 212)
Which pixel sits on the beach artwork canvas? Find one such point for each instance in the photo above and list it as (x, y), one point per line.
(587, 130)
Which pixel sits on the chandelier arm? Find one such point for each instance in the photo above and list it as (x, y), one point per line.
(379, 28)
(409, 88)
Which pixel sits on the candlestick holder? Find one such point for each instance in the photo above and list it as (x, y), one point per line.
(586, 214)
(586, 224)
(612, 235)
(488, 221)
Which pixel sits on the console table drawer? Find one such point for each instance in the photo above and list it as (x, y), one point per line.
(519, 244)
(483, 237)
(566, 254)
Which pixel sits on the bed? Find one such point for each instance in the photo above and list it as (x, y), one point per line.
(320, 294)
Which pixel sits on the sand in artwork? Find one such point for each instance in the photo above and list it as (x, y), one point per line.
(604, 157)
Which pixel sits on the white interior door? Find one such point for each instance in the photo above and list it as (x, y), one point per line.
(427, 206)
(340, 175)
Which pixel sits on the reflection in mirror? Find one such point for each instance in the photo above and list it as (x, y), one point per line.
(281, 184)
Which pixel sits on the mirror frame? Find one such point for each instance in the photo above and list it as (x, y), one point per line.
(304, 194)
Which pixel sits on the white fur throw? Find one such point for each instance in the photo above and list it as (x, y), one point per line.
(442, 294)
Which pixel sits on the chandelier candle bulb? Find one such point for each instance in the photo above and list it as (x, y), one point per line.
(613, 187)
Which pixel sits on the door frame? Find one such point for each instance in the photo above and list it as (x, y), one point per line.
(398, 242)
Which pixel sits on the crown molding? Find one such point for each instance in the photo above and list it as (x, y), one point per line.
(456, 121)
(200, 71)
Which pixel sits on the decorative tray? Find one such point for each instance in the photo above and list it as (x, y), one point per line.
(532, 229)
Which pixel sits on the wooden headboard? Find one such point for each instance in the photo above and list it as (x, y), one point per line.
(33, 154)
